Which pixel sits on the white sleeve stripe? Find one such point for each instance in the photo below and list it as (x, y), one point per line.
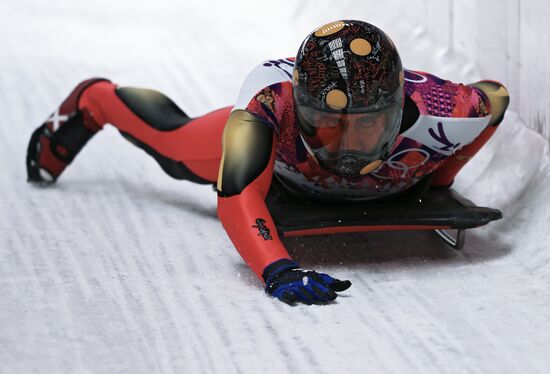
(446, 135)
(263, 75)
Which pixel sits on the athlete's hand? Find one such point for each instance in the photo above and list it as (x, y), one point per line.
(286, 281)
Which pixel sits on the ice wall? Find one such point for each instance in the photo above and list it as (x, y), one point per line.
(508, 40)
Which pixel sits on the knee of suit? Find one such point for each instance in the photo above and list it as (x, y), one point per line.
(153, 107)
(93, 99)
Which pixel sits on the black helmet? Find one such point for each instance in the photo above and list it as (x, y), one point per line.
(348, 91)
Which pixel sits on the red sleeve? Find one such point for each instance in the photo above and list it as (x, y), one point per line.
(248, 222)
(445, 174)
(495, 101)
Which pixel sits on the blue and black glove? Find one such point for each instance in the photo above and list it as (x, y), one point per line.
(286, 281)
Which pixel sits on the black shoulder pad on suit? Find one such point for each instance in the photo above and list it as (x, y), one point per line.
(247, 143)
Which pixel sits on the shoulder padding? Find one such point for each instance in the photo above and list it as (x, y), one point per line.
(153, 107)
(247, 145)
(498, 97)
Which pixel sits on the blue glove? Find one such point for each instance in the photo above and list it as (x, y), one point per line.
(286, 281)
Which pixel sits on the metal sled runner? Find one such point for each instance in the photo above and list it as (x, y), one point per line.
(440, 210)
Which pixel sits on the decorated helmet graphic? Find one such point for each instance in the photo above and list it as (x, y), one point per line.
(348, 93)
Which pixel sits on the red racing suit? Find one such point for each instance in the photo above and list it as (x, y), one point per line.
(444, 124)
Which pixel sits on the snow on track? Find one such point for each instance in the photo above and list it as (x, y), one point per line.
(119, 268)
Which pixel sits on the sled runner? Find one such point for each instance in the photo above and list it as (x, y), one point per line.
(440, 209)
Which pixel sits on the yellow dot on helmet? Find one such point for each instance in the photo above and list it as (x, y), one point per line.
(370, 167)
(295, 76)
(329, 28)
(360, 46)
(336, 99)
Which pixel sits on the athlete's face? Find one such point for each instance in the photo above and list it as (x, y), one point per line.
(349, 144)
(350, 132)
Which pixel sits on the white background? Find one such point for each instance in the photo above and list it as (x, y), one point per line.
(118, 268)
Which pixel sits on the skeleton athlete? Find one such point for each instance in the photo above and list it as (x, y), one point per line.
(341, 122)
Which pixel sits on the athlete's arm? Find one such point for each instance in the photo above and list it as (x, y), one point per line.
(496, 97)
(244, 178)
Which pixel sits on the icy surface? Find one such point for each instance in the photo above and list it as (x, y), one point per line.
(120, 269)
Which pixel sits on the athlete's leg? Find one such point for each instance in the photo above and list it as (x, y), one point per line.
(499, 99)
(185, 148)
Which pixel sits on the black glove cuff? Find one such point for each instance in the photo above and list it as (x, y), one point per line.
(275, 268)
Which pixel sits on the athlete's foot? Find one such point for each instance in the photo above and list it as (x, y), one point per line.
(55, 144)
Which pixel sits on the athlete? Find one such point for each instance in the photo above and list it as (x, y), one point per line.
(341, 122)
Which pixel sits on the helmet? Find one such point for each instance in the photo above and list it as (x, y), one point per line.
(348, 94)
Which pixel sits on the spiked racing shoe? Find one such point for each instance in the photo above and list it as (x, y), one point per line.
(55, 144)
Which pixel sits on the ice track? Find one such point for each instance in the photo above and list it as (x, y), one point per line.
(120, 269)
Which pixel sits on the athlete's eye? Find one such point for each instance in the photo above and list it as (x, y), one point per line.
(327, 121)
(367, 120)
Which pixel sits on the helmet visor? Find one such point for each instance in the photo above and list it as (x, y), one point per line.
(368, 134)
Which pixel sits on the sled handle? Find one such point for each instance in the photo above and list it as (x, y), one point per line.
(455, 242)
